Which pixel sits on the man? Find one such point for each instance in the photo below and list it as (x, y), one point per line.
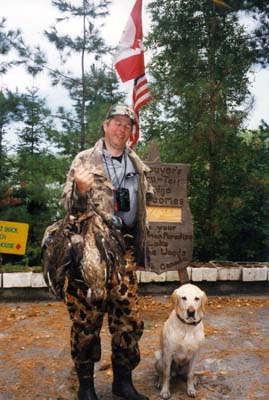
(112, 178)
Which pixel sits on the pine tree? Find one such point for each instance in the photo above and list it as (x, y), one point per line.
(201, 57)
(87, 45)
(8, 40)
(258, 12)
(9, 108)
(36, 124)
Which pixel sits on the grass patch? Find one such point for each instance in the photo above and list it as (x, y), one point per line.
(19, 268)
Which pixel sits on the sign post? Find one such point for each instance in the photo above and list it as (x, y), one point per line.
(13, 237)
(170, 239)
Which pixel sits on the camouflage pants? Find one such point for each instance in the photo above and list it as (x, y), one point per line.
(121, 303)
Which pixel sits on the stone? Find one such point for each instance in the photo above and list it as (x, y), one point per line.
(17, 279)
(254, 274)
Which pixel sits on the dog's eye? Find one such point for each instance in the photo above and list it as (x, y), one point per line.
(184, 298)
(197, 298)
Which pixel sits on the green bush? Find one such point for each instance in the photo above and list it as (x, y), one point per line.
(19, 268)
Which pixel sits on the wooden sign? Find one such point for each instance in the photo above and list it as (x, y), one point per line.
(170, 239)
(13, 237)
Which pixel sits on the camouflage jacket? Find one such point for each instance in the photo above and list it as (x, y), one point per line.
(101, 193)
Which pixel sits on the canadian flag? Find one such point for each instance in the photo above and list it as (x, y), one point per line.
(129, 58)
(129, 63)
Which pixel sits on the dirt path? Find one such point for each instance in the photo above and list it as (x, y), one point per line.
(234, 363)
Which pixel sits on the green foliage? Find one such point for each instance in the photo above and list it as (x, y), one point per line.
(12, 267)
(9, 108)
(200, 65)
(32, 196)
(258, 12)
(83, 89)
(8, 39)
(100, 90)
(36, 124)
(33, 59)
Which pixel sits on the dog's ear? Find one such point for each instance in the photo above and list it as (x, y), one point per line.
(174, 298)
(204, 301)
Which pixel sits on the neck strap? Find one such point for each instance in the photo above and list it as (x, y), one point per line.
(114, 169)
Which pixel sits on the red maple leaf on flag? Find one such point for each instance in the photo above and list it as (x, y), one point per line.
(129, 58)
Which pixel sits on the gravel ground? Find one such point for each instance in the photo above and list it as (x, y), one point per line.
(234, 361)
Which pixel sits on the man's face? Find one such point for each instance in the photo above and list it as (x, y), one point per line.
(117, 131)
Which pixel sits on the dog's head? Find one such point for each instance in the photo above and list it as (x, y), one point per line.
(189, 303)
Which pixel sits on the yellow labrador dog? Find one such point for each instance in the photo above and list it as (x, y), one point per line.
(181, 339)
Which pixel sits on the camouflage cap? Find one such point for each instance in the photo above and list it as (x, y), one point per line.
(122, 109)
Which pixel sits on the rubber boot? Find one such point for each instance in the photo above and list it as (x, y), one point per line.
(123, 387)
(86, 389)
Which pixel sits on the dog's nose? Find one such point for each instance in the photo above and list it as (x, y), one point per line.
(191, 312)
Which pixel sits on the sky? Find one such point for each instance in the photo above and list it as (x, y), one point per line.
(34, 16)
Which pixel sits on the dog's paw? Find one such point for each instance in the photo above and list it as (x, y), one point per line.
(165, 395)
(191, 392)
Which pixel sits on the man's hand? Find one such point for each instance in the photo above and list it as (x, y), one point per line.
(84, 180)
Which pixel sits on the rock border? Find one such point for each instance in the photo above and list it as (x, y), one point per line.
(197, 272)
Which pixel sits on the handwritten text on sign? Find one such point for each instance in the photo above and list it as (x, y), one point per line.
(13, 237)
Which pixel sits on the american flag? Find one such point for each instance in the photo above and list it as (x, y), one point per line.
(141, 96)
